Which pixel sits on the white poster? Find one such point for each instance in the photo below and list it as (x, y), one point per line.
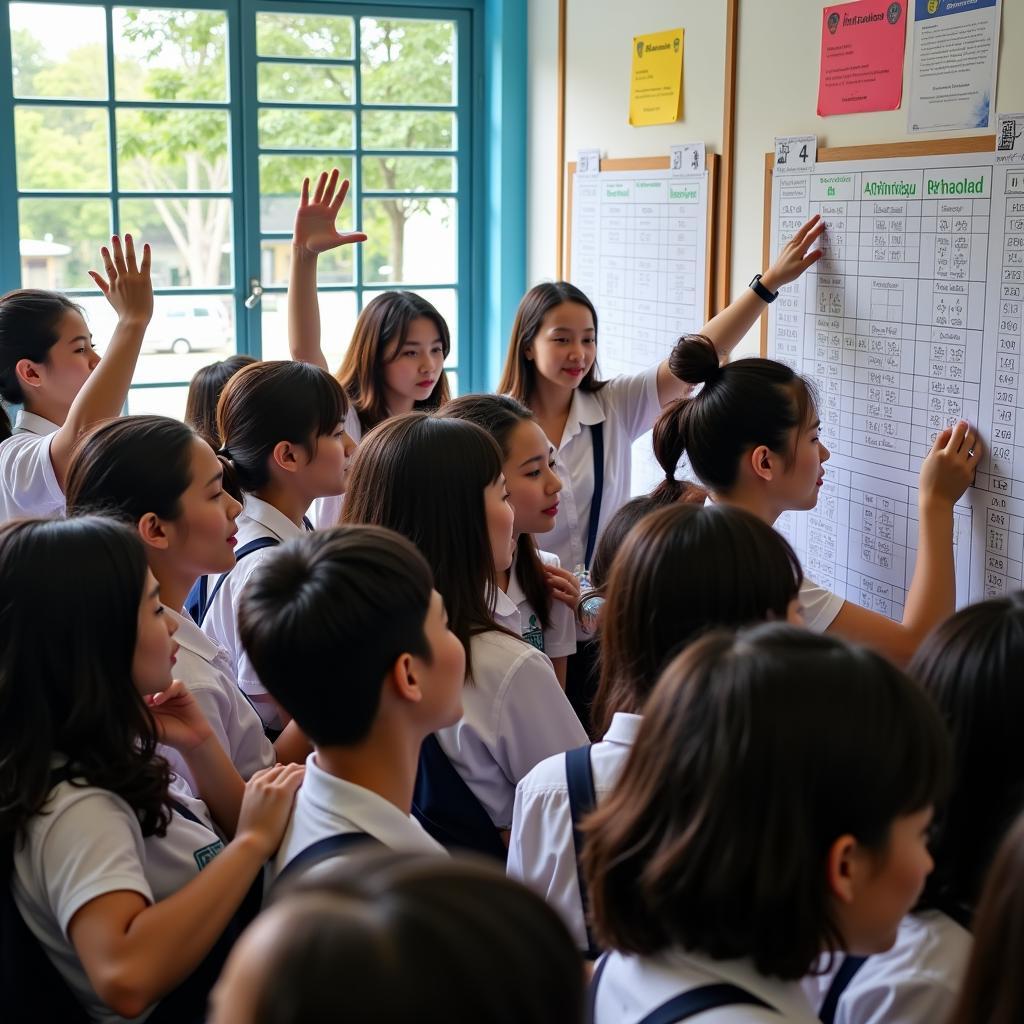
(954, 64)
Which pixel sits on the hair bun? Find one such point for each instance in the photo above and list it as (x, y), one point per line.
(694, 360)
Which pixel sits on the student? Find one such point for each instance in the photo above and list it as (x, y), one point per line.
(993, 992)
(283, 428)
(159, 477)
(544, 593)
(394, 362)
(123, 882)
(551, 367)
(47, 361)
(349, 636)
(403, 939)
(438, 482)
(204, 393)
(970, 666)
(775, 806)
(682, 569)
(753, 438)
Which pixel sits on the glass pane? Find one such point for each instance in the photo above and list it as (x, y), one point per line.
(186, 333)
(191, 239)
(337, 321)
(304, 83)
(453, 383)
(408, 174)
(158, 402)
(445, 301)
(409, 240)
(292, 128)
(280, 185)
(407, 61)
(172, 150)
(60, 241)
(62, 148)
(303, 35)
(59, 52)
(408, 129)
(170, 54)
(337, 266)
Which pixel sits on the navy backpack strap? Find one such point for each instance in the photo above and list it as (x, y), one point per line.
(702, 999)
(597, 443)
(847, 969)
(197, 601)
(595, 980)
(246, 549)
(307, 525)
(579, 776)
(324, 849)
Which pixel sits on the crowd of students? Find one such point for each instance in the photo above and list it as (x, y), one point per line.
(267, 675)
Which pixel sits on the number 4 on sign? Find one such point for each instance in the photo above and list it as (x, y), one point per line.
(795, 153)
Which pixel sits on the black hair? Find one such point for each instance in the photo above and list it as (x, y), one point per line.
(204, 392)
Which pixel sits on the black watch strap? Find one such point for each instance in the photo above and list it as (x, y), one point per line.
(759, 289)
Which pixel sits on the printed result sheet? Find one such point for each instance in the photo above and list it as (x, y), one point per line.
(639, 252)
(909, 323)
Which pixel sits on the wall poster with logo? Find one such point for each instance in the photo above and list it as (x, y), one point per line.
(656, 82)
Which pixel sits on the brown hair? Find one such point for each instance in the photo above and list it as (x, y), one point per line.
(756, 752)
(384, 321)
(204, 392)
(520, 374)
(682, 570)
(993, 988)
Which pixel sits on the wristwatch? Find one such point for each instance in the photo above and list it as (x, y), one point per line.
(759, 289)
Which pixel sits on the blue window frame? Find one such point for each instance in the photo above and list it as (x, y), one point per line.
(443, 169)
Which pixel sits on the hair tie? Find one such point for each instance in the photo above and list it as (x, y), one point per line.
(223, 452)
(713, 375)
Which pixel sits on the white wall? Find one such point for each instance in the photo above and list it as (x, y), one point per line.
(776, 94)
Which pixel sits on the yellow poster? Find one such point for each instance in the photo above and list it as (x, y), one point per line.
(656, 86)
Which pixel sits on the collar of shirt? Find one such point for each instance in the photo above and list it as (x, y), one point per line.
(30, 423)
(273, 519)
(349, 807)
(584, 411)
(191, 637)
(504, 606)
(623, 729)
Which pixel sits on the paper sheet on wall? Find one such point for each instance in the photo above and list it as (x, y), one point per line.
(639, 251)
(910, 322)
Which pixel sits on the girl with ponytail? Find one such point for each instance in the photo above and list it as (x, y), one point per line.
(752, 436)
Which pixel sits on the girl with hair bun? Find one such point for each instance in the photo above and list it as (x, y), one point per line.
(752, 435)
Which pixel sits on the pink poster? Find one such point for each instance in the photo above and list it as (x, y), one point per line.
(862, 57)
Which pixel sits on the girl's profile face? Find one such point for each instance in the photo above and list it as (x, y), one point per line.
(801, 481)
(68, 363)
(500, 518)
(531, 480)
(565, 347)
(155, 649)
(413, 367)
(326, 473)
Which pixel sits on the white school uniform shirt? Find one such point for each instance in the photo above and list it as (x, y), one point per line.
(258, 519)
(328, 806)
(918, 981)
(206, 670)
(559, 639)
(633, 986)
(326, 512)
(541, 851)
(28, 484)
(88, 843)
(628, 407)
(818, 606)
(514, 714)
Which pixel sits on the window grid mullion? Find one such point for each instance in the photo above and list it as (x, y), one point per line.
(357, 162)
(115, 206)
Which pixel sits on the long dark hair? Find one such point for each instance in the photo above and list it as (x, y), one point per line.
(519, 376)
(971, 665)
(424, 477)
(204, 392)
(499, 415)
(756, 752)
(269, 402)
(682, 570)
(28, 330)
(746, 403)
(130, 466)
(383, 321)
(66, 668)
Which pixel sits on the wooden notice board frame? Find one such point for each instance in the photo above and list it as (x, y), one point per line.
(658, 163)
(939, 147)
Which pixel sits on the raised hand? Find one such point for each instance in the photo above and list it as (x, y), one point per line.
(128, 287)
(180, 721)
(794, 258)
(316, 221)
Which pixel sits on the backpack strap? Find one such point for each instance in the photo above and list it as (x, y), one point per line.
(324, 849)
(307, 525)
(847, 969)
(579, 776)
(597, 443)
(197, 604)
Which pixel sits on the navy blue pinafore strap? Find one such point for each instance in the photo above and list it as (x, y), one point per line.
(847, 969)
(322, 850)
(687, 1004)
(200, 598)
(579, 777)
(597, 441)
